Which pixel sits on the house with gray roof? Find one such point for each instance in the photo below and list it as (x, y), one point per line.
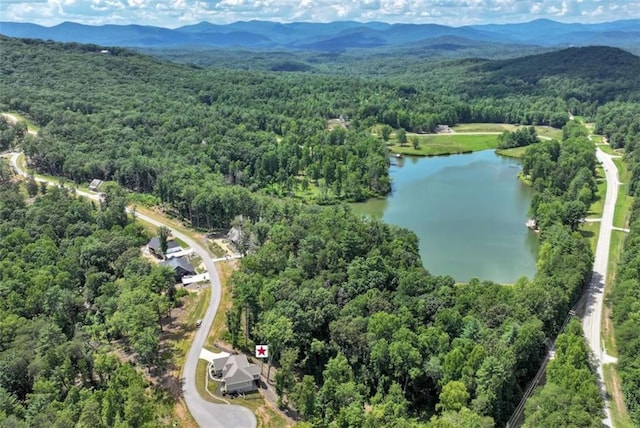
(181, 267)
(236, 373)
(154, 247)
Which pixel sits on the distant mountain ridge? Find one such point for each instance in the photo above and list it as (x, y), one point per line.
(333, 36)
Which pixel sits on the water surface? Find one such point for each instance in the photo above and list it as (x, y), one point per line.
(469, 212)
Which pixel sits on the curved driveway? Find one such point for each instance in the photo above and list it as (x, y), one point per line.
(205, 413)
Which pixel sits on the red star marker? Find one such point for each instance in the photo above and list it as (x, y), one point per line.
(262, 351)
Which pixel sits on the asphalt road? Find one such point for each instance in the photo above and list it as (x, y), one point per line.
(591, 322)
(205, 413)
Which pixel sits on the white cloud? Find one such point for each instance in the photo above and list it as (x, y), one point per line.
(173, 13)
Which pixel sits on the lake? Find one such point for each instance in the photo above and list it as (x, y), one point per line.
(468, 211)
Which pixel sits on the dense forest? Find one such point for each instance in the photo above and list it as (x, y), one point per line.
(361, 333)
(183, 133)
(71, 286)
(571, 395)
(359, 322)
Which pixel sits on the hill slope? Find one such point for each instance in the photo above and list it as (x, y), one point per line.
(332, 36)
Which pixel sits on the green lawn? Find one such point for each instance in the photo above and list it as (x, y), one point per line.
(590, 232)
(446, 144)
(483, 127)
(619, 415)
(30, 125)
(516, 152)
(545, 131)
(595, 210)
(607, 149)
(624, 175)
(596, 138)
(623, 208)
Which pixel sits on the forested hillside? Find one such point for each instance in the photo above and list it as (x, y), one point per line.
(71, 285)
(370, 337)
(185, 134)
(374, 340)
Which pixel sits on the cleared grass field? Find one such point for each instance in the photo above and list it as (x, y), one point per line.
(30, 125)
(545, 131)
(516, 152)
(595, 210)
(624, 175)
(483, 127)
(446, 144)
(590, 232)
(623, 208)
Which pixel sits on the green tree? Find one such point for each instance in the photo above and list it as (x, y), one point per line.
(32, 187)
(163, 236)
(385, 132)
(454, 396)
(401, 137)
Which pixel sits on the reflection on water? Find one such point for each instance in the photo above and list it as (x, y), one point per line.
(469, 212)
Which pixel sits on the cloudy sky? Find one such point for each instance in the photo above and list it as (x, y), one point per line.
(175, 13)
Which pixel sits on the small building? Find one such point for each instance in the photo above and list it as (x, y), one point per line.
(95, 184)
(238, 375)
(181, 267)
(154, 247)
(235, 235)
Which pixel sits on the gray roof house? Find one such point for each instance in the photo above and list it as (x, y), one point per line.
(238, 375)
(154, 247)
(95, 184)
(181, 267)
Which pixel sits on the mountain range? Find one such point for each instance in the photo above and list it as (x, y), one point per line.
(333, 36)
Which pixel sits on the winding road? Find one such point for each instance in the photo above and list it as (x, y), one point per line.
(206, 414)
(591, 321)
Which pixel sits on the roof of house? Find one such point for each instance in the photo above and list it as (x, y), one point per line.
(212, 357)
(180, 262)
(238, 370)
(154, 244)
(95, 183)
(235, 234)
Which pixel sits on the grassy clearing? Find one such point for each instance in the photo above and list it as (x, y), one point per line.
(596, 138)
(483, 127)
(619, 415)
(596, 208)
(615, 251)
(624, 175)
(623, 206)
(516, 152)
(607, 149)
(446, 144)
(219, 326)
(22, 118)
(545, 131)
(590, 232)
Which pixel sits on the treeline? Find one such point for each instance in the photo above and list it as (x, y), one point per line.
(620, 123)
(349, 311)
(571, 395)
(154, 126)
(563, 176)
(519, 138)
(71, 284)
(625, 300)
(11, 135)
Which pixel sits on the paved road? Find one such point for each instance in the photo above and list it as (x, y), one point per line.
(205, 413)
(592, 319)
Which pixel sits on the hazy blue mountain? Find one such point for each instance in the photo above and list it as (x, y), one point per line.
(333, 36)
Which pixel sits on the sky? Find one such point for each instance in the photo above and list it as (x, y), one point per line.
(175, 13)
